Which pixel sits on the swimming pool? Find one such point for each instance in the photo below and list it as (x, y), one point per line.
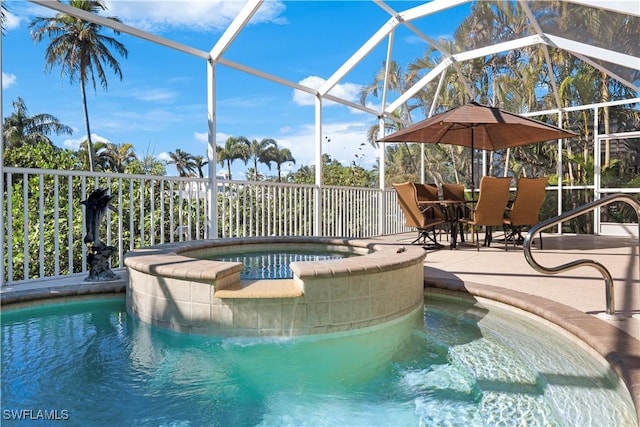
(456, 361)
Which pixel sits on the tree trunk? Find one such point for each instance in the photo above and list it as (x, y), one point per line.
(86, 123)
(453, 164)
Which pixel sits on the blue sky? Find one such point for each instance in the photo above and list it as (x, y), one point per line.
(160, 105)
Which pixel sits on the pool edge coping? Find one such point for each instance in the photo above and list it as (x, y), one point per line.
(172, 259)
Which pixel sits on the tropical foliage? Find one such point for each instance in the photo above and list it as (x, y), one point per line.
(21, 128)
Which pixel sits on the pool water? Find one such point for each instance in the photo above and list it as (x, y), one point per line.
(274, 264)
(457, 362)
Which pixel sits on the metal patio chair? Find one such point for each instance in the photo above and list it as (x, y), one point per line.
(424, 215)
(525, 210)
(490, 207)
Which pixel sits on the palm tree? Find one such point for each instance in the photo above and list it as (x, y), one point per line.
(3, 15)
(184, 162)
(236, 148)
(21, 128)
(100, 155)
(281, 156)
(149, 165)
(200, 163)
(118, 156)
(254, 175)
(259, 153)
(80, 50)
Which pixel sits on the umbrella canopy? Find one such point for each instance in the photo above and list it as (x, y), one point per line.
(478, 126)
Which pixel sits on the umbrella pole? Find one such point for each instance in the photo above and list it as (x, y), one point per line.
(473, 183)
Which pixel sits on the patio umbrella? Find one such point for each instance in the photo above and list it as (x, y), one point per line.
(478, 126)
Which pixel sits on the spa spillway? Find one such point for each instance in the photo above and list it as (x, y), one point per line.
(179, 286)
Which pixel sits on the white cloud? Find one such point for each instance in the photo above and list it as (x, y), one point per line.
(221, 138)
(153, 95)
(8, 80)
(201, 137)
(11, 21)
(75, 142)
(347, 91)
(164, 156)
(202, 15)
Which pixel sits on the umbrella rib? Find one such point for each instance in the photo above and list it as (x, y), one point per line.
(443, 132)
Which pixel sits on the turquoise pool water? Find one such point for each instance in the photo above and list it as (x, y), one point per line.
(274, 264)
(454, 363)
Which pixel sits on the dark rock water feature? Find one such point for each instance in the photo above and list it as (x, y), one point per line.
(96, 207)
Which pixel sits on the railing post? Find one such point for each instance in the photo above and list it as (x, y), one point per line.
(317, 216)
(382, 217)
(212, 220)
(597, 167)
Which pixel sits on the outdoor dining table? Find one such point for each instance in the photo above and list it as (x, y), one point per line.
(452, 214)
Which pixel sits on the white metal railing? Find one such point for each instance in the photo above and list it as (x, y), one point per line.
(45, 221)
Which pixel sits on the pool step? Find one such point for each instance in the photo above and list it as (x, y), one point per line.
(510, 390)
(444, 396)
(267, 288)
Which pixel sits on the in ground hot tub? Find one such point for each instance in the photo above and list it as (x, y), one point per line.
(178, 286)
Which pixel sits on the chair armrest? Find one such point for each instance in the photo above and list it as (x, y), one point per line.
(429, 207)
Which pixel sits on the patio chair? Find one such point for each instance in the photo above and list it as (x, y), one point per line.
(490, 207)
(429, 194)
(425, 218)
(525, 210)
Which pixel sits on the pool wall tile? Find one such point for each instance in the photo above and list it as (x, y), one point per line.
(359, 286)
(200, 313)
(340, 312)
(392, 303)
(315, 290)
(223, 315)
(245, 316)
(270, 316)
(179, 290)
(318, 314)
(179, 312)
(201, 292)
(339, 289)
(377, 308)
(294, 316)
(361, 309)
